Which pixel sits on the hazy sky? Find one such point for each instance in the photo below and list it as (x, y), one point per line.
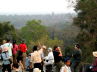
(34, 6)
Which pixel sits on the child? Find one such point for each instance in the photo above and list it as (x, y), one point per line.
(28, 62)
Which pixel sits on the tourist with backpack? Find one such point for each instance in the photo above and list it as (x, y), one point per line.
(76, 58)
(6, 60)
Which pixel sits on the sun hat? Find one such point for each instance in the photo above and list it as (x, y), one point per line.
(95, 53)
(36, 70)
(50, 49)
(44, 47)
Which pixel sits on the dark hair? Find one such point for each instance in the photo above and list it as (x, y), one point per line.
(35, 48)
(55, 47)
(20, 53)
(66, 59)
(77, 45)
(8, 40)
(14, 41)
(16, 65)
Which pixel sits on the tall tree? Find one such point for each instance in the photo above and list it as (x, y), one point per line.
(87, 22)
(7, 30)
(35, 33)
(33, 30)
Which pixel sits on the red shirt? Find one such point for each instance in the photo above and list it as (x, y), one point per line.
(15, 49)
(23, 47)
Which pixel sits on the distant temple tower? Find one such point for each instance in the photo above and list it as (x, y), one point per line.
(53, 14)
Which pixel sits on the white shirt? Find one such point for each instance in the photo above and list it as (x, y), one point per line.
(65, 69)
(10, 46)
(49, 59)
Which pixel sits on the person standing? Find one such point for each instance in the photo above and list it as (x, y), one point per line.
(43, 52)
(36, 58)
(9, 46)
(6, 60)
(14, 51)
(66, 67)
(94, 64)
(49, 61)
(20, 60)
(76, 58)
(2, 50)
(57, 58)
(23, 49)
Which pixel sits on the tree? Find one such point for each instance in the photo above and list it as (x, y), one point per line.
(35, 33)
(87, 22)
(7, 30)
(33, 30)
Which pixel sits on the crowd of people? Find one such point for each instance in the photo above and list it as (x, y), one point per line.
(14, 58)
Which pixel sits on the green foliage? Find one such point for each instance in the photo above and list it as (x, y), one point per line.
(35, 33)
(87, 22)
(33, 30)
(7, 31)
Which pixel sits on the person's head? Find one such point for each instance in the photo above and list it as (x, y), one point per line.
(14, 41)
(55, 47)
(8, 40)
(49, 49)
(59, 49)
(67, 61)
(95, 54)
(35, 48)
(77, 46)
(44, 47)
(4, 41)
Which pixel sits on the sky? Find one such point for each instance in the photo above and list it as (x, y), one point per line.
(34, 6)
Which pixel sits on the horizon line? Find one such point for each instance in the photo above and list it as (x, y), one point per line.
(36, 13)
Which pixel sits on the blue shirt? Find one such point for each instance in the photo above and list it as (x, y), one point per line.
(6, 57)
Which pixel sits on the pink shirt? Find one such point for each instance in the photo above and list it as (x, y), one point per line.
(15, 49)
(94, 69)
